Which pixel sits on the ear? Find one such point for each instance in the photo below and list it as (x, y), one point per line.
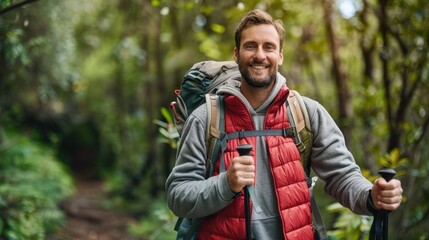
(235, 55)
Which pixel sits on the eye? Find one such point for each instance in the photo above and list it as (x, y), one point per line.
(270, 47)
(250, 46)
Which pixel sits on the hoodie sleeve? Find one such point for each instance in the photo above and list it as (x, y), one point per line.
(189, 194)
(333, 162)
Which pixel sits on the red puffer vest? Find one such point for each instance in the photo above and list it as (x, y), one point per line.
(289, 178)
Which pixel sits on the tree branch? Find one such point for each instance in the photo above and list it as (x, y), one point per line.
(420, 68)
(393, 141)
(16, 5)
(424, 129)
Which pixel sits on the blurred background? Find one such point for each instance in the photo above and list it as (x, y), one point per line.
(87, 140)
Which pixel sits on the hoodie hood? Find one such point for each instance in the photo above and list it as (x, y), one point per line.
(233, 88)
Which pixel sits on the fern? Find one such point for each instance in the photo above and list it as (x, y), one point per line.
(32, 182)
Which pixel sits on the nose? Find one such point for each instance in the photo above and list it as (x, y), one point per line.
(259, 54)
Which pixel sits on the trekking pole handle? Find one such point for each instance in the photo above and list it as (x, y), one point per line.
(244, 149)
(387, 174)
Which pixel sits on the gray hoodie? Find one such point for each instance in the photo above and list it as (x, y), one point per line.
(190, 195)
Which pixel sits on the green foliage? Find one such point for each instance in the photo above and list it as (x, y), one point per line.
(349, 225)
(15, 51)
(32, 182)
(209, 46)
(394, 160)
(158, 225)
(168, 131)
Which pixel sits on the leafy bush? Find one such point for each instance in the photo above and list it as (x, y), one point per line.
(32, 182)
(158, 225)
(349, 225)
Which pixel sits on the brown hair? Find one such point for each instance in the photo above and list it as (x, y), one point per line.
(257, 17)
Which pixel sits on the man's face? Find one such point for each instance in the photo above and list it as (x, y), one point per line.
(259, 56)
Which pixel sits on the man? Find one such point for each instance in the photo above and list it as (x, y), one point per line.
(274, 165)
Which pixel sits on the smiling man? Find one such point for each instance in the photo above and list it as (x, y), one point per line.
(274, 167)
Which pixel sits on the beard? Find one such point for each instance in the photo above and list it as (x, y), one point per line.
(255, 81)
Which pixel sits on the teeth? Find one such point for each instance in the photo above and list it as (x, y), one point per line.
(258, 67)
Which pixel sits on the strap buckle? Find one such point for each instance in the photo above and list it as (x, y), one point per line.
(289, 132)
(241, 134)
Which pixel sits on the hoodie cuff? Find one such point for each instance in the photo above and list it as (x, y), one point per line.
(370, 205)
(225, 191)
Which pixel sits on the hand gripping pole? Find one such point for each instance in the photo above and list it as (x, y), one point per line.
(379, 228)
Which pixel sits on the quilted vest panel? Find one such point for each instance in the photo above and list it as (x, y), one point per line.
(289, 178)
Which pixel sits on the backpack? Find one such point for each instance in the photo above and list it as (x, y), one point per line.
(198, 87)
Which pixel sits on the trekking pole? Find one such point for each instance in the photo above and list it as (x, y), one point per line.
(379, 228)
(388, 175)
(244, 150)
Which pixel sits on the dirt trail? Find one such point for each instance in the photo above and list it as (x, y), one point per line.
(88, 219)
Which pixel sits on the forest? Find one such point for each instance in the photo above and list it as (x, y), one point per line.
(85, 89)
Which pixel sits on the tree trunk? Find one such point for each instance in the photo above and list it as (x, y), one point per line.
(150, 169)
(367, 48)
(383, 19)
(341, 78)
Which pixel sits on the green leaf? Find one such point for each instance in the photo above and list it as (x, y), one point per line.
(167, 115)
(217, 28)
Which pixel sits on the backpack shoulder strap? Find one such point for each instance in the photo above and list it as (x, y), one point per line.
(299, 111)
(299, 118)
(215, 128)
